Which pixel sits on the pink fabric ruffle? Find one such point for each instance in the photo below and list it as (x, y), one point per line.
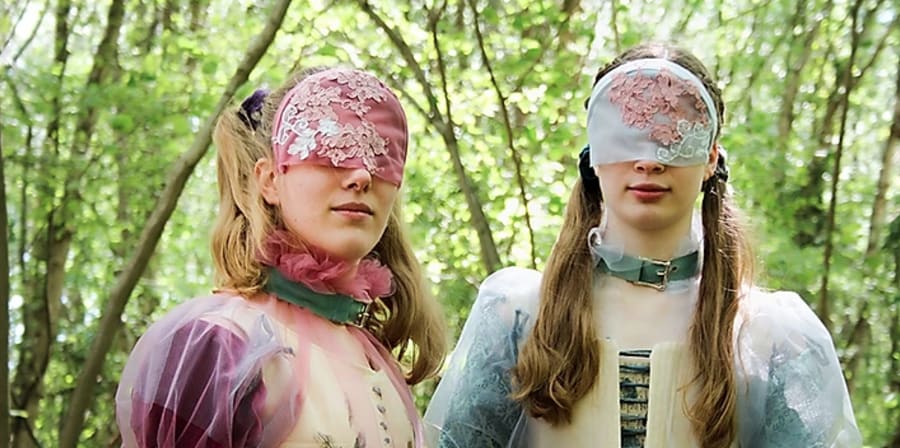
(324, 273)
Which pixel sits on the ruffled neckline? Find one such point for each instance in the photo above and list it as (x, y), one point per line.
(324, 273)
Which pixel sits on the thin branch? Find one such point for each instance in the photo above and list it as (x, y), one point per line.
(23, 196)
(882, 43)
(759, 7)
(410, 99)
(504, 110)
(742, 50)
(31, 36)
(12, 31)
(686, 18)
(876, 221)
(836, 171)
(410, 59)
(614, 25)
(4, 304)
(433, 19)
(517, 85)
(489, 255)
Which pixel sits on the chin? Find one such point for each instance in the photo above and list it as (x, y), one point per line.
(651, 222)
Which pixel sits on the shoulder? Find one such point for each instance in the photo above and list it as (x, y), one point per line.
(516, 288)
(781, 316)
(203, 335)
(774, 328)
(198, 357)
(208, 318)
(507, 300)
(229, 311)
(218, 327)
(794, 393)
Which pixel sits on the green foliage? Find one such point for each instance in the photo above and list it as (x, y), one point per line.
(172, 64)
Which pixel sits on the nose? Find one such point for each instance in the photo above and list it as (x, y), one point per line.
(649, 167)
(358, 179)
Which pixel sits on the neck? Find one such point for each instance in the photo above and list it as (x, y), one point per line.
(363, 280)
(660, 244)
(349, 274)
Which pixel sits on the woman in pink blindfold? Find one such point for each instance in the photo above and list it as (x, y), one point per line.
(318, 292)
(645, 329)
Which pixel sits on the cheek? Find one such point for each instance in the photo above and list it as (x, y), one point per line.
(386, 195)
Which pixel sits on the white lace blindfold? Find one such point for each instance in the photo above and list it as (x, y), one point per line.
(651, 109)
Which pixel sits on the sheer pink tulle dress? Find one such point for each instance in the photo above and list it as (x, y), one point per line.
(228, 371)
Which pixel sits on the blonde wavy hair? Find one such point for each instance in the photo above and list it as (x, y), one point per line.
(409, 321)
(549, 384)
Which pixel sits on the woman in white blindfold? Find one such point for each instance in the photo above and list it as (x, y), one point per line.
(645, 329)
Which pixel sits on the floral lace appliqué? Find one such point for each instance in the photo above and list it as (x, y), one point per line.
(312, 118)
(669, 107)
(693, 142)
(305, 141)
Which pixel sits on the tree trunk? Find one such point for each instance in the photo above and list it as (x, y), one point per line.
(795, 65)
(893, 373)
(823, 309)
(40, 314)
(26, 386)
(859, 341)
(165, 205)
(4, 309)
(810, 216)
(850, 81)
(876, 223)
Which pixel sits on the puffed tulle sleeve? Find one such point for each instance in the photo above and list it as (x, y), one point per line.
(196, 378)
(471, 406)
(791, 388)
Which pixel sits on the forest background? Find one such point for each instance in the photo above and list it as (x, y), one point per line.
(108, 174)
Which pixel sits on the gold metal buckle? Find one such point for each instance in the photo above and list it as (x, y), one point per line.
(362, 318)
(663, 273)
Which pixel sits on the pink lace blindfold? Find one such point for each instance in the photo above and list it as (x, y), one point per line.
(651, 109)
(343, 118)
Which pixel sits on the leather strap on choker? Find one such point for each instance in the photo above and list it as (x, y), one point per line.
(652, 273)
(337, 308)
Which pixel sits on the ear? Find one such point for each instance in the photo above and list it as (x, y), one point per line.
(712, 162)
(265, 178)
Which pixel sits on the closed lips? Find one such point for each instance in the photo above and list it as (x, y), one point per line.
(354, 207)
(648, 187)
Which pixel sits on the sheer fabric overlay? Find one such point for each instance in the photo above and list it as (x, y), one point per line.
(790, 388)
(225, 371)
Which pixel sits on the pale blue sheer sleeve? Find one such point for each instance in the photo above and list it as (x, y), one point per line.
(471, 406)
(792, 390)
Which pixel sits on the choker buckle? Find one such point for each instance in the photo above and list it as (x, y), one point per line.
(362, 317)
(662, 273)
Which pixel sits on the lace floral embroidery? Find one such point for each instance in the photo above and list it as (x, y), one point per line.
(310, 118)
(694, 142)
(670, 107)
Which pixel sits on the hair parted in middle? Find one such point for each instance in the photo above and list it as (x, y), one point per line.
(409, 316)
(559, 363)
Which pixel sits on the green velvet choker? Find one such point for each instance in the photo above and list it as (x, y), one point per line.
(652, 273)
(338, 308)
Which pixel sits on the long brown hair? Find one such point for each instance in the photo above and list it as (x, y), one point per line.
(410, 315)
(549, 383)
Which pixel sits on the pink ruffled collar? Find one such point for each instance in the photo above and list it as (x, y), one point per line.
(324, 273)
